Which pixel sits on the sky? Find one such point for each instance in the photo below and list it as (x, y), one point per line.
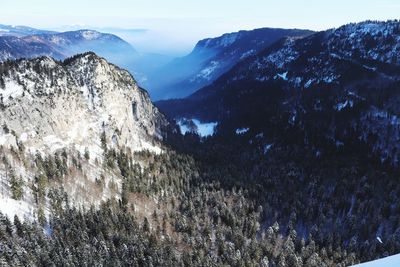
(174, 26)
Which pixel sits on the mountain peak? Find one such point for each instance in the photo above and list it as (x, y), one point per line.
(90, 34)
(87, 57)
(95, 94)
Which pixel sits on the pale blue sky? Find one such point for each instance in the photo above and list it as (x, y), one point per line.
(175, 25)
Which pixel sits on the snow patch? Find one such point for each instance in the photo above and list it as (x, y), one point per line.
(147, 146)
(267, 148)
(11, 207)
(90, 35)
(308, 83)
(228, 39)
(242, 130)
(195, 126)
(8, 140)
(283, 76)
(341, 106)
(23, 137)
(54, 143)
(247, 54)
(206, 73)
(11, 90)
(260, 135)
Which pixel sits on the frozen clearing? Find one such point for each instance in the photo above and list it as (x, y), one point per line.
(202, 129)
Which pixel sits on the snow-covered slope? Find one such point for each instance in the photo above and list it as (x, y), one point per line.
(391, 261)
(38, 94)
(82, 106)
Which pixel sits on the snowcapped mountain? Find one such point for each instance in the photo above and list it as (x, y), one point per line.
(212, 57)
(81, 106)
(339, 86)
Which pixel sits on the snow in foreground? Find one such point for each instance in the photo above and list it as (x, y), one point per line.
(391, 261)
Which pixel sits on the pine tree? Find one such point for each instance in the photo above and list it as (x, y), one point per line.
(87, 154)
(16, 185)
(103, 140)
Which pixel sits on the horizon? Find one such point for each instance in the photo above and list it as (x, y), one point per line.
(173, 28)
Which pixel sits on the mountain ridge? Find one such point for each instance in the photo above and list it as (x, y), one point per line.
(323, 73)
(210, 58)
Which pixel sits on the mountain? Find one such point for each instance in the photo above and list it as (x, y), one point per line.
(34, 43)
(12, 47)
(25, 42)
(80, 106)
(288, 159)
(310, 127)
(67, 44)
(212, 57)
(19, 31)
(338, 83)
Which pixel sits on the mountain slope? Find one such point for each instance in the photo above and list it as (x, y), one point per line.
(98, 92)
(343, 79)
(270, 188)
(68, 44)
(81, 106)
(212, 57)
(25, 42)
(12, 47)
(312, 126)
(18, 31)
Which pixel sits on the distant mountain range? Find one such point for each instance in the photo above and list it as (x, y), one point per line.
(211, 58)
(66, 44)
(10, 30)
(25, 42)
(163, 77)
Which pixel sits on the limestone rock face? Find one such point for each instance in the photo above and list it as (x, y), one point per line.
(47, 105)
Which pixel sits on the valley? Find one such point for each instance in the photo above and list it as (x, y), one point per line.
(269, 147)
